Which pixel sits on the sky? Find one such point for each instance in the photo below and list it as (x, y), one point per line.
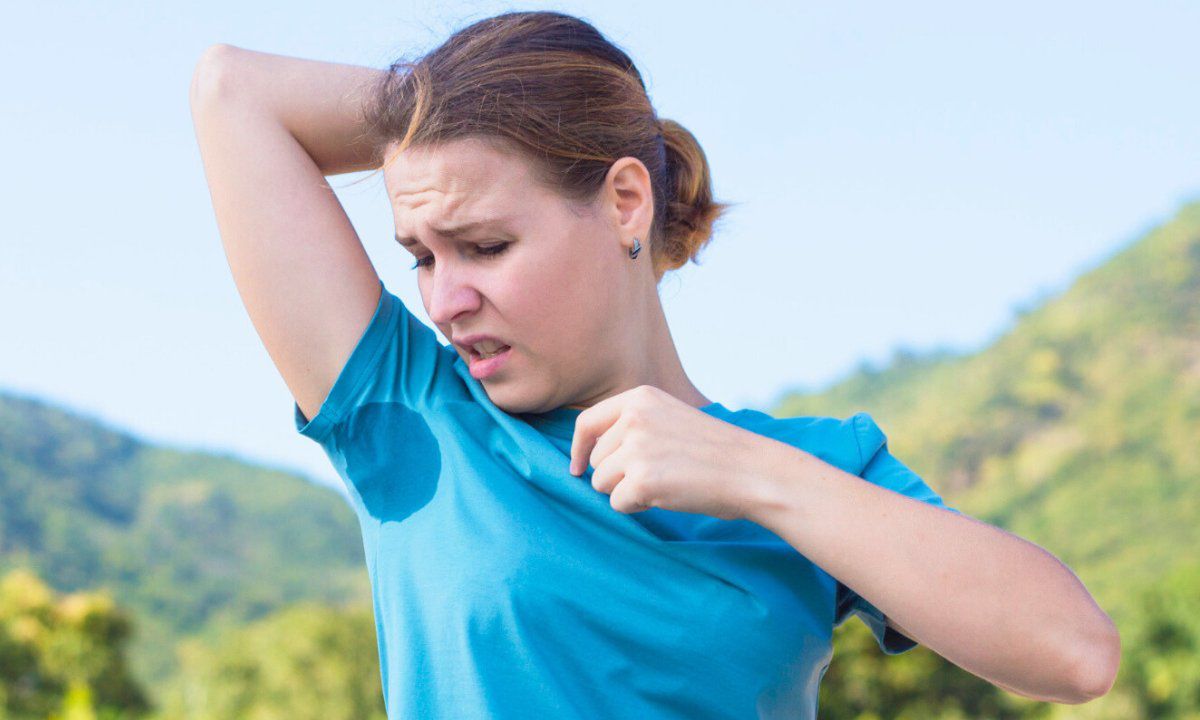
(904, 176)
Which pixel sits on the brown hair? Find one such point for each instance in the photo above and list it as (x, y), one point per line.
(549, 88)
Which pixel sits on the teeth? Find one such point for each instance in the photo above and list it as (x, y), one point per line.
(487, 347)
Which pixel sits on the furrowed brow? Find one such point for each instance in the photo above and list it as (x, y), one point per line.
(455, 232)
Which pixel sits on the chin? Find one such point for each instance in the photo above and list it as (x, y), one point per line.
(513, 401)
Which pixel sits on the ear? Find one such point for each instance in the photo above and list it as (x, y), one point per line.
(630, 200)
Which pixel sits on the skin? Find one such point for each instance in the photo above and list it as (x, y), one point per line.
(584, 321)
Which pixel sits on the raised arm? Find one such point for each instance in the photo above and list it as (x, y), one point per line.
(270, 128)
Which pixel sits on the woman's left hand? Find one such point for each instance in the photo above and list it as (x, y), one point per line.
(650, 449)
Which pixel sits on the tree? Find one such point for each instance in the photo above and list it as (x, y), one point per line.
(63, 656)
(306, 662)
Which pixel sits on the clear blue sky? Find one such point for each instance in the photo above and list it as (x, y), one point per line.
(908, 174)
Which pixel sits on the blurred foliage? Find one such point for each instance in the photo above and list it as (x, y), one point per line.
(308, 662)
(1162, 657)
(63, 656)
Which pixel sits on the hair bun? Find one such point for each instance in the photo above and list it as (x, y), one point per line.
(691, 209)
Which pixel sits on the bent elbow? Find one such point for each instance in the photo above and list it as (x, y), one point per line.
(1100, 659)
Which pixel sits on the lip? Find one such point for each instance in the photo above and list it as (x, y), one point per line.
(480, 368)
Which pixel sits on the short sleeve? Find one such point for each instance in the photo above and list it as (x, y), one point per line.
(882, 468)
(397, 359)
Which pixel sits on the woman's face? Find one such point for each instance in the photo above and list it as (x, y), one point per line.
(545, 276)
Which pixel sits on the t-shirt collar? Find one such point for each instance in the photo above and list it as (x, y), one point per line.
(560, 422)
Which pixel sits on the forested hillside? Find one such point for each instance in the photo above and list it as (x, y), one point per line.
(187, 541)
(1078, 429)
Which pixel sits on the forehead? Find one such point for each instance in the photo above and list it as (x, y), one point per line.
(453, 172)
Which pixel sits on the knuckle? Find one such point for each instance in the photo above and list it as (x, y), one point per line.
(638, 443)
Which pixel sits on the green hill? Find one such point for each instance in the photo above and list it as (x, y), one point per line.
(190, 542)
(1078, 428)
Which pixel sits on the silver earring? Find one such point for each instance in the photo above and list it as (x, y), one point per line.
(637, 248)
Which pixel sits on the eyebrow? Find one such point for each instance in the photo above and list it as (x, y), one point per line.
(456, 231)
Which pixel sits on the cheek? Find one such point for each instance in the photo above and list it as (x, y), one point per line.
(554, 306)
(540, 309)
(580, 313)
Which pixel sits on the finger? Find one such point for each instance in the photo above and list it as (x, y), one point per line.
(590, 425)
(627, 496)
(608, 443)
(608, 473)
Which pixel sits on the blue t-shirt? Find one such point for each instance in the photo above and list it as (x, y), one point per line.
(505, 587)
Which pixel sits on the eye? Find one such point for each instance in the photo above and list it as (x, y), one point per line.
(482, 250)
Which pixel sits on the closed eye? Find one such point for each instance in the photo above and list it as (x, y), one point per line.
(482, 250)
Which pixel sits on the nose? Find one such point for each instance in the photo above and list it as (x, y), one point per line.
(451, 293)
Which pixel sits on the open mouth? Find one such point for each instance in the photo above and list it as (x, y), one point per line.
(485, 365)
(484, 356)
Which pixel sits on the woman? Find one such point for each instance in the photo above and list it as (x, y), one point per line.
(557, 522)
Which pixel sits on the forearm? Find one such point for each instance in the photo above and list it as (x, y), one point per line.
(986, 600)
(319, 103)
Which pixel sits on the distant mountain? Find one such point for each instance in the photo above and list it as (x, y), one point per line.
(190, 542)
(1078, 429)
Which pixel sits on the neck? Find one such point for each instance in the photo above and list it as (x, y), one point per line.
(656, 361)
(662, 367)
